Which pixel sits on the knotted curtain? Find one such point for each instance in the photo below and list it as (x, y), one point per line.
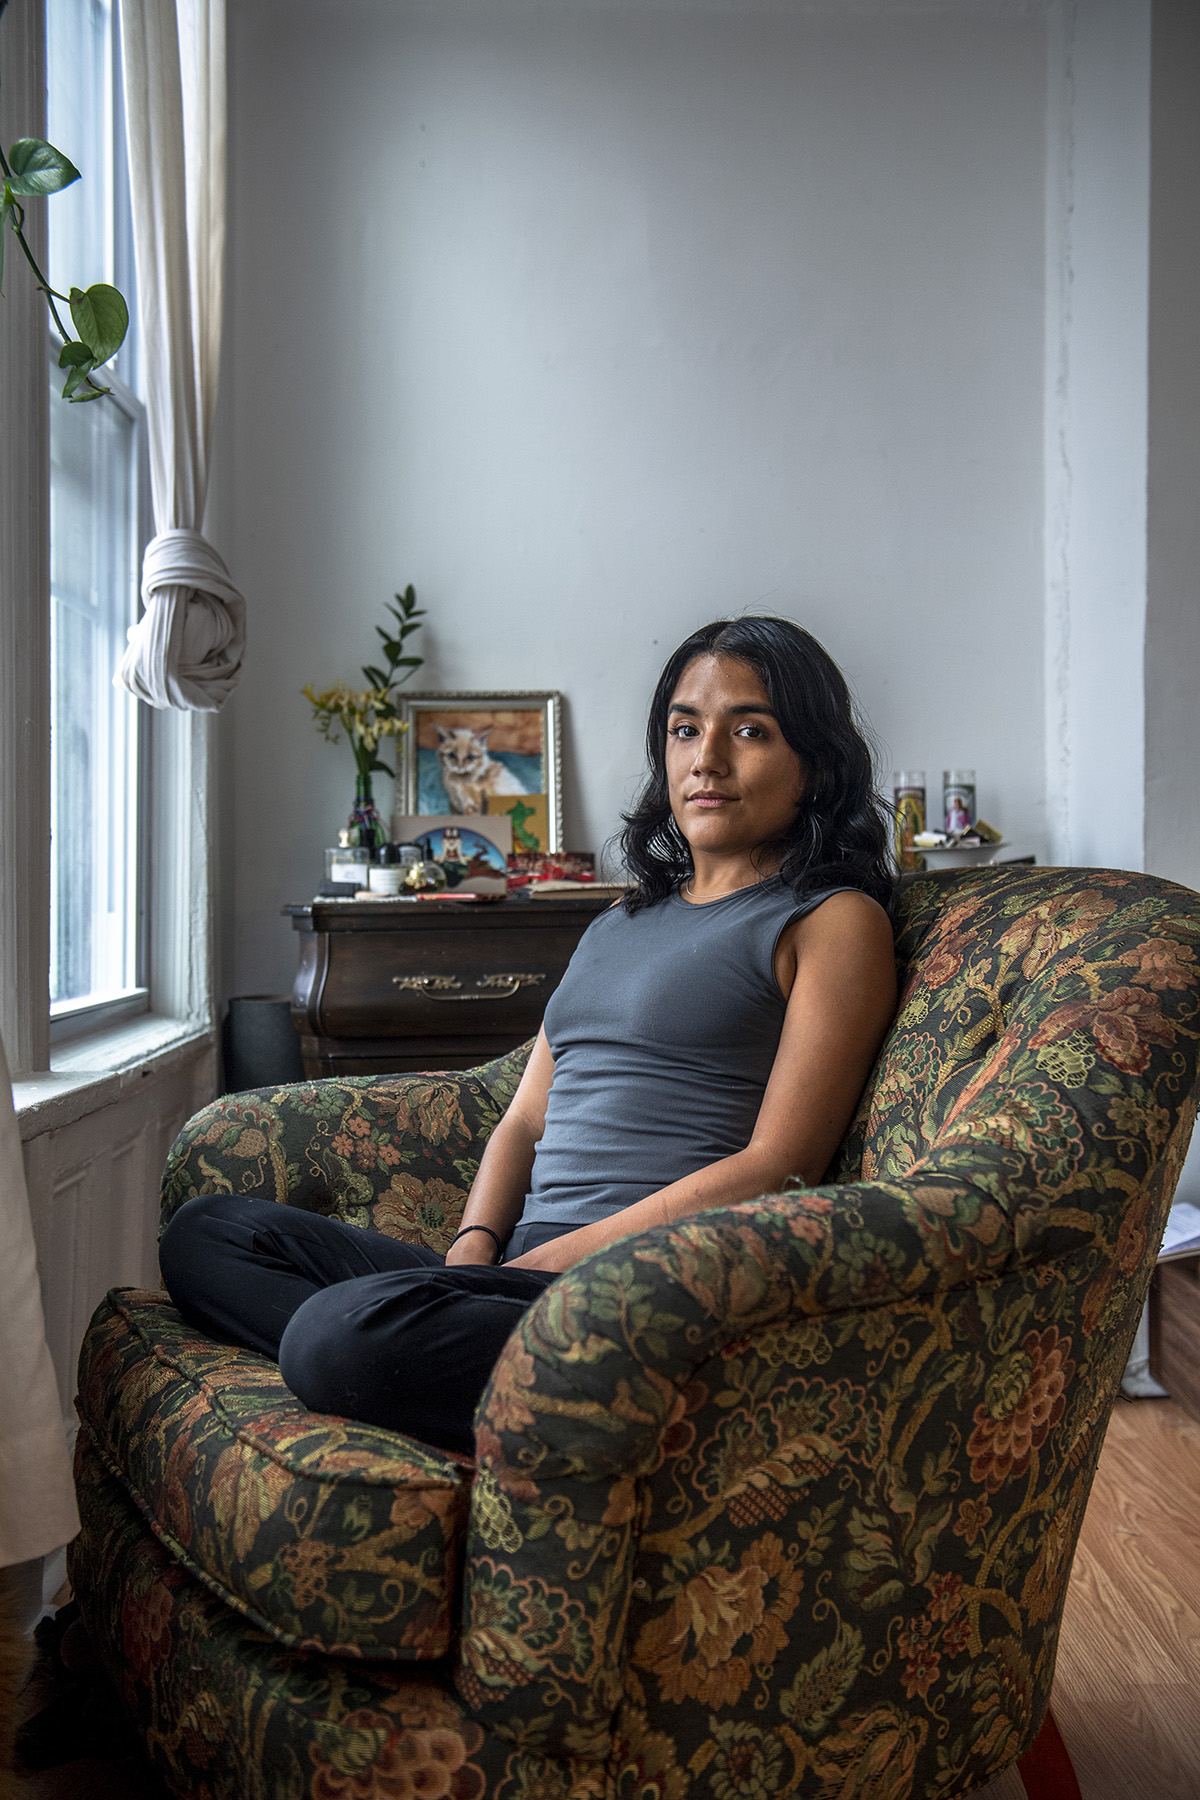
(186, 650)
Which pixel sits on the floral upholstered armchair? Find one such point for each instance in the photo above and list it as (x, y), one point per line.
(779, 1500)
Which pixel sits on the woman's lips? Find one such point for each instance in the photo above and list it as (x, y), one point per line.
(710, 802)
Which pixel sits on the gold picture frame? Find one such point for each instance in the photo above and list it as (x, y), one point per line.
(479, 753)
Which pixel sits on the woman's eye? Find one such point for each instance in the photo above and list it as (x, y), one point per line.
(751, 731)
(683, 729)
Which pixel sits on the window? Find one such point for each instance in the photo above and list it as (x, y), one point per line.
(98, 530)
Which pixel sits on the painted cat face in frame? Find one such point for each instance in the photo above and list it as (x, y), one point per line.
(463, 753)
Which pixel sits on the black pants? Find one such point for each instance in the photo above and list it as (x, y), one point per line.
(361, 1325)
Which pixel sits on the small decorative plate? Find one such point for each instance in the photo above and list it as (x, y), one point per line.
(463, 852)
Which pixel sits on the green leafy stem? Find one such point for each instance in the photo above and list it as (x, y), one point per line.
(367, 715)
(31, 170)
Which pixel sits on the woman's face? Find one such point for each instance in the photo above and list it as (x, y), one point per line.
(734, 780)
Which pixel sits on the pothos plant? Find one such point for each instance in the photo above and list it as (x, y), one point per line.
(369, 715)
(32, 170)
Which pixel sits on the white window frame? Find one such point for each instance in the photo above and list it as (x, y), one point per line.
(177, 890)
(71, 1020)
(74, 1019)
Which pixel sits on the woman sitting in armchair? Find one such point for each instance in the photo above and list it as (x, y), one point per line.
(707, 1044)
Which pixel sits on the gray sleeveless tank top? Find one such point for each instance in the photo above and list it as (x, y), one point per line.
(663, 1032)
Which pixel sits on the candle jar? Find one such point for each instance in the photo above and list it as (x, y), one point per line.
(908, 788)
(386, 878)
(958, 799)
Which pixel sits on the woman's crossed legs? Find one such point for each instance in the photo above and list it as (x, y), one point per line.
(361, 1324)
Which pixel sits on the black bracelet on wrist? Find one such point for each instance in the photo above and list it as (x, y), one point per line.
(496, 1239)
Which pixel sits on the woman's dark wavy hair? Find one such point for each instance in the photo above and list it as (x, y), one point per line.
(841, 835)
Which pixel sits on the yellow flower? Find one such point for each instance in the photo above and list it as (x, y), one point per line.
(364, 714)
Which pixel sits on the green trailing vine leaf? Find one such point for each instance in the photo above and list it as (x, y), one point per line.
(80, 373)
(101, 318)
(32, 170)
(37, 168)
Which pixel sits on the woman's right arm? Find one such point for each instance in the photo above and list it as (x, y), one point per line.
(499, 1189)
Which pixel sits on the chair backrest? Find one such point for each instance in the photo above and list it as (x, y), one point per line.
(1044, 1050)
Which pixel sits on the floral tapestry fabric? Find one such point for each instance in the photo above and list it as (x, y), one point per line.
(781, 1499)
(329, 1535)
(228, 1714)
(396, 1152)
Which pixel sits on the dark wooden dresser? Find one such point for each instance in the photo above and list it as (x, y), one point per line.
(389, 985)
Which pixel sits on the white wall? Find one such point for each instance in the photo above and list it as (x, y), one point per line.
(1098, 223)
(1172, 670)
(597, 322)
(93, 1168)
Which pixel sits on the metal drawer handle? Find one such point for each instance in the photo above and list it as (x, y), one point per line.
(446, 987)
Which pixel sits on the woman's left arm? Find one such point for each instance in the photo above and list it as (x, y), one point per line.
(839, 962)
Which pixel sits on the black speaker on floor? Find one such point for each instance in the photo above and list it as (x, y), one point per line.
(260, 1044)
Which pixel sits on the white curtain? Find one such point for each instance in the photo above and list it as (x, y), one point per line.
(37, 1499)
(186, 650)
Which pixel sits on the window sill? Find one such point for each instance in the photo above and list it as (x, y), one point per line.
(96, 1071)
(69, 1024)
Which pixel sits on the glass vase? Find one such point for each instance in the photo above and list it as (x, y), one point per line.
(366, 827)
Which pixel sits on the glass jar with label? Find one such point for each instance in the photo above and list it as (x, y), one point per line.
(909, 794)
(958, 800)
(348, 862)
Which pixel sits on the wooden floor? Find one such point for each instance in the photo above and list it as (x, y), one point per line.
(1127, 1693)
(1127, 1690)
(1129, 1666)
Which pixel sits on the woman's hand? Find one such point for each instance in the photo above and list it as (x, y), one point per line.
(477, 1247)
(564, 1252)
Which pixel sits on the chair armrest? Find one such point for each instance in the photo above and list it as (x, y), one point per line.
(395, 1151)
(591, 1397)
(863, 1384)
(662, 1302)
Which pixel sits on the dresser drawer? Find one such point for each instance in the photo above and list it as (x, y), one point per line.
(443, 988)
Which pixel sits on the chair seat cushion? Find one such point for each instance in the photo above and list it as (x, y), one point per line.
(330, 1535)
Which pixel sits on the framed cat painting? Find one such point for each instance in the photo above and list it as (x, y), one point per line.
(487, 753)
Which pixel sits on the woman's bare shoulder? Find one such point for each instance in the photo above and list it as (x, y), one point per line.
(849, 926)
(850, 911)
